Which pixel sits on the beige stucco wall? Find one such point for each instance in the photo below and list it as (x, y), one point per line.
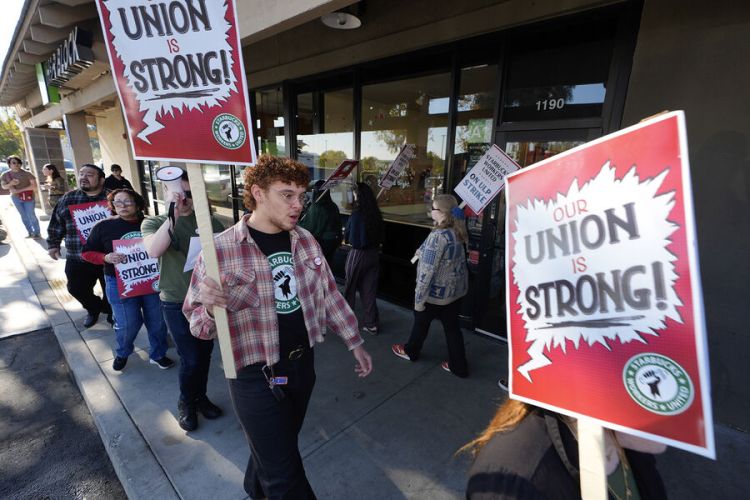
(114, 144)
(693, 56)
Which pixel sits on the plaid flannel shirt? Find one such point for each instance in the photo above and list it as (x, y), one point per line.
(61, 223)
(251, 307)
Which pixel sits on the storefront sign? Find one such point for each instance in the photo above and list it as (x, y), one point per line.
(605, 310)
(139, 273)
(408, 151)
(86, 215)
(181, 80)
(70, 58)
(338, 175)
(485, 180)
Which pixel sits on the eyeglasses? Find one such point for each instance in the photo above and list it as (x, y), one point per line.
(121, 204)
(436, 209)
(289, 198)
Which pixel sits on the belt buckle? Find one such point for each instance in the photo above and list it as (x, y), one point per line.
(295, 354)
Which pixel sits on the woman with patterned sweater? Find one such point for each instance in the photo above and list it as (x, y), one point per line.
(441, 282)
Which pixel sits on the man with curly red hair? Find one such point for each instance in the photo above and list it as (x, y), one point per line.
(280, 297)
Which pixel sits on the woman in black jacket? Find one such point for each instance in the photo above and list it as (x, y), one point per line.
(530, 453)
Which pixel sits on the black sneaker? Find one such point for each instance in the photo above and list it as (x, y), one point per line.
(208, 409)
(164, 363)
(188, 418)
(119, 363)
(503, 384)
(110, 319)
(90, 320)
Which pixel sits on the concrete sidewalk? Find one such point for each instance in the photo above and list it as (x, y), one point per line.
(391, 435)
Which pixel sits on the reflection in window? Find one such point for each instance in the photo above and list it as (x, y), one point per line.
(476, 107)
(549, 83)
(269, 118)
(526, 153)
(413, 111)
(325, 137)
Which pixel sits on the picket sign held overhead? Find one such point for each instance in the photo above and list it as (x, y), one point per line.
(407, 153)
(338, 175)
(180, 79)
(605, 309)
(205, 232)
(486, 179)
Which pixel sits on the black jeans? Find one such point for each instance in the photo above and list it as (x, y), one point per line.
(195, 353)
(82, 277)
(271, 427)
(454, 337)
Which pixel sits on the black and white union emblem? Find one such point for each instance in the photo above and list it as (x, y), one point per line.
(228, 131)
(658, 383)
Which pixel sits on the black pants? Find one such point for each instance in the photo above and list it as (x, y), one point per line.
(271, 427)
(448, 315)
(82, 276)
(362, 267)
(195, 353)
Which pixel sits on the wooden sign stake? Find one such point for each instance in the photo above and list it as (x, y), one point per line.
(205, 230)
(592, 460)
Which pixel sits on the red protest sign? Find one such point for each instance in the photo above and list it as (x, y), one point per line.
(138, 274)
(179, 73)
(86, 215)
(338, 175)
(605, 311)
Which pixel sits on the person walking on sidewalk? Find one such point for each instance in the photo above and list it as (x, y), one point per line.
(168, 239)
(82, 275)
(323, 220)
(364, 232)
(22, 185)
(441, 282)
(133, 312)
(116, 180)
(54, 184)
(280, 296)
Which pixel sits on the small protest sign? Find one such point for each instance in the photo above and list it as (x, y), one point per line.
(138, 274)
(87, 215)
(179, 73)
(408, 151)
(485, 179)
(338, 175)
(605, 312)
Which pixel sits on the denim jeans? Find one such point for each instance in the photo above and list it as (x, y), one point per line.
(195, 353)
(28, 215)
(130, 314)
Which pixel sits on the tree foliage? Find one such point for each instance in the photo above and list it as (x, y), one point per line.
(11, 142)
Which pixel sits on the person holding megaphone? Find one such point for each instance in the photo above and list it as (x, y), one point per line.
(167, 237)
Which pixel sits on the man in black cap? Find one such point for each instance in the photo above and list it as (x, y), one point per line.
(82, 276)
(116, 180)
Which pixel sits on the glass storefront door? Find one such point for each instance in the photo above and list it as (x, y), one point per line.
(488, 289)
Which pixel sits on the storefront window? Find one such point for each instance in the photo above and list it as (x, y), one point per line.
(325, 137)
(561, 82)
(413, 111)
(476, 107)
(269, 118)
(528, 152)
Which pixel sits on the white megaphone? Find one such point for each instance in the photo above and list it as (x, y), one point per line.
(171, 178)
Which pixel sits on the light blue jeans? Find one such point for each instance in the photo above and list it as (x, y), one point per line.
(28, 215)
(130, 314)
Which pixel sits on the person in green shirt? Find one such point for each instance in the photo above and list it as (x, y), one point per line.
(168, 239)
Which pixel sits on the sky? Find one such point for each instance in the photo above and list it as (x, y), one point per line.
(8, 21)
